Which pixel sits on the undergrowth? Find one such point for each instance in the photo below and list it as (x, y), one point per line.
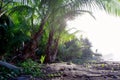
(31, 67)
(6, 73)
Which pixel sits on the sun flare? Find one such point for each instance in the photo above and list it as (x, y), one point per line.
(102, 32)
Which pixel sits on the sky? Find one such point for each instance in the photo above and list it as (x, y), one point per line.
(103, 32)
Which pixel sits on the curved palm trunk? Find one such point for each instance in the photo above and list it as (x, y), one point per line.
(48, 48)
(55, 50)
(52, 48)
(30, 47)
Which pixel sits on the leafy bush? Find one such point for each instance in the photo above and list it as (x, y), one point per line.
(6, 74)
(31, 68)
(77, 51)
(71, 50)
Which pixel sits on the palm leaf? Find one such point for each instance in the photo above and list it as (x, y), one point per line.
(112, 6)
(2, 13)
(20, 9)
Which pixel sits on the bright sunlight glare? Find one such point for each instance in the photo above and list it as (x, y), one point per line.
(103, 32)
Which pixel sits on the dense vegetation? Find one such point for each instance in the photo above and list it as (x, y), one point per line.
(35, 30)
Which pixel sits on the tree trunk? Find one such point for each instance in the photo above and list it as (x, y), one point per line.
(52, 48)
(49, 49)
(30, 47)
(55, 50)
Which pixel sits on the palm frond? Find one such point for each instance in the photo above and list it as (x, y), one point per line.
(21, 9)
(73, 14)
(75, 32)
(112, 6)
(2, 13)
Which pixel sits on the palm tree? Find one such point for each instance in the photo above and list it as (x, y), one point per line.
(52, 11)
(50, 14)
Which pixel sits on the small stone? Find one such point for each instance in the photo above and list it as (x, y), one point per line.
(69, 63)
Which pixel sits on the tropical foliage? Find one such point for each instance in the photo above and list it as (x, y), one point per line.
(37, 26)
(112, 6)
(36, 29)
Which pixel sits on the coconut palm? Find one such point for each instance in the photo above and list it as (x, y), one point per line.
(50, 14)
(53, 12)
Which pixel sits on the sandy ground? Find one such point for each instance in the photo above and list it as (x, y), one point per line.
(70, 71)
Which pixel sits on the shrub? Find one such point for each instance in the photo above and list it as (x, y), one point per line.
(31, 67)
